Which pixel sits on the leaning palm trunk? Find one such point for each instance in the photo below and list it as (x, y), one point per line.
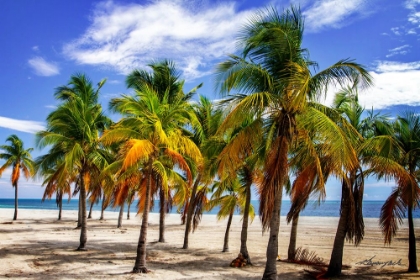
(412, 257)
(120, 216)
(90, 211)
(190, 211)
(83, 231)
(277, 162)
(291, 252)
(140, 264)
(226, 240)
(336, 260)
(244, 231)
(16, 202)
(162, 215)
(128, 211)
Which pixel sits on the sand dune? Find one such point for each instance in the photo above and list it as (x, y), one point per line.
(37, 246)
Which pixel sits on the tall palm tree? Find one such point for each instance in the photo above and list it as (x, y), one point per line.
(152, 127)
(73, 131)
(19, 159)
(165, 80)
(351, 225)
(273, 75)
(403, 164)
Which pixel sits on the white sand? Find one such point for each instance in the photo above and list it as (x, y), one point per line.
(37, 246)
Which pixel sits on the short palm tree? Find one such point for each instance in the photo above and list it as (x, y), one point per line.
(276, 84)
(73, 131)
(19, 159)
(56, 181)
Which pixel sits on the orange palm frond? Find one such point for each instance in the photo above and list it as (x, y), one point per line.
(179, 160)
(15, 174)
(392, 213)
(135, 150)
(276, 169)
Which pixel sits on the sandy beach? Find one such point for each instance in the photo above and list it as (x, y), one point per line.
(37, 246)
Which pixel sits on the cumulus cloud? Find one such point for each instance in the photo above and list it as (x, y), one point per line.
(21, 125)
(395, 83)
(43, 67)
(128, 36)
(334, 13)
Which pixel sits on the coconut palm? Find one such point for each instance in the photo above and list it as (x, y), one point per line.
(272, 73)
(351, 225)
(73, 131)
(165, 81)
(56, 181)
(19, 159)
(209, 119)
(151, 127)
(402, 164)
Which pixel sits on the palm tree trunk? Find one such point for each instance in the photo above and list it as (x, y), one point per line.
(90, 211)
(293, 235)
(336, 260)
(226, 242)
(120, 216)
(140, 264)
(162, 215)
(79, 218)
(60, 208)
(191, 211)
(279, 161)
(128, 211)
(412, 257)
(102, 207)
(244, 231)
(16, 203)
(83, 231)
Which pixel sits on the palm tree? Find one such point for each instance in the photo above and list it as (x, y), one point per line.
(20, 160)
(209, 119)
(165, 81)
(229, 194)
(351, 225)
(73, 130)
(152, 127)
(273, 74)
(402, 163)
(57, 181)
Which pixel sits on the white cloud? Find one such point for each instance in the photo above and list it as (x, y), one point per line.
(128, 36)
(43, 67)
(35, 48)
(402, 50)
(333, 13)
(395, 83)
(21, 125)
(395, 66)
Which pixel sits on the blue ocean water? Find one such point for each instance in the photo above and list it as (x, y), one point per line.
(371, 209)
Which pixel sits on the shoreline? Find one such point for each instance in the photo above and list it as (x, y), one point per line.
(37, 246)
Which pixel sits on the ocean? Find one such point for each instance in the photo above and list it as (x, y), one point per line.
(371, 209)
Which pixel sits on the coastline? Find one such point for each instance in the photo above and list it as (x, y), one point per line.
(37, 246)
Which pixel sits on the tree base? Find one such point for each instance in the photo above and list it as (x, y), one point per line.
(240, 261)
(142, 269)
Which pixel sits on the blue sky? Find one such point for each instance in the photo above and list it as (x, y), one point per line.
(45, 42)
